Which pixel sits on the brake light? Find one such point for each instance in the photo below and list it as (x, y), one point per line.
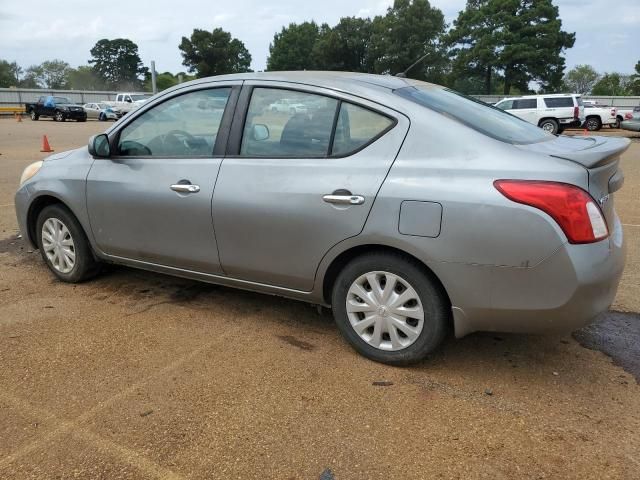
(576, 112)
(573, 209)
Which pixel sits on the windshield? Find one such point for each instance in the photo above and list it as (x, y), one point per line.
(475, 114)
(136, 98)
(60, 100)
(103, 106)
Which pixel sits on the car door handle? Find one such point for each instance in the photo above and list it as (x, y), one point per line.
(185, 188)
(344, 199)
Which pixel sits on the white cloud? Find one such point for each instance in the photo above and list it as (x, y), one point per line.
(31, 31)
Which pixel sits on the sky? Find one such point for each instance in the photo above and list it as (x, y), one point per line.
(32, 31)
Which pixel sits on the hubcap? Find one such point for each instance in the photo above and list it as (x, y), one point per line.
(58, 245)
(548, 127)
(385, 310)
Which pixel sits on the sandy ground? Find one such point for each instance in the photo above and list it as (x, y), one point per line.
(138, 375)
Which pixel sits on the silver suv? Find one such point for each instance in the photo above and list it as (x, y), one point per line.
(408, 208)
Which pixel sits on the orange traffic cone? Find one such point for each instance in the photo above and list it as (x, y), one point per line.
(45, 145)
(19, 115)
(585, 132)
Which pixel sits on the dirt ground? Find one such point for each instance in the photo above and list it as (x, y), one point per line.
(138, 375)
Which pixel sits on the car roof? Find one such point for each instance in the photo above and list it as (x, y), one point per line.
(351, 82)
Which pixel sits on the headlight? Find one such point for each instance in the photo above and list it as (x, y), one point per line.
(30, 171)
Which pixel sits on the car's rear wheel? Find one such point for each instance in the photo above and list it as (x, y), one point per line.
(593, 124)
(389, 309)
(64, 246)
(549, 125)
(34, 115)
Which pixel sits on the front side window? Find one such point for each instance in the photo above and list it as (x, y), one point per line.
(484, 118)
(506, 105)
(356, 127)
(525, 103)
(183, 126)
(287, 123)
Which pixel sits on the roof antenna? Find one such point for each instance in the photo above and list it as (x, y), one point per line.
(404, 74)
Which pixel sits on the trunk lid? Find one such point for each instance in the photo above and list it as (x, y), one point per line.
(600, 156)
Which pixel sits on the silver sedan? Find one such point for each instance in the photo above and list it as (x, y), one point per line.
(409, 209)
(102, 111)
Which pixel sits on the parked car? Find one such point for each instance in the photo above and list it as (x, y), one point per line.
(633, 123)
(408, 208)
(102, 111)
(58, 108)
(552, 113)
(287, 105)
(127, 102)
(597, 115)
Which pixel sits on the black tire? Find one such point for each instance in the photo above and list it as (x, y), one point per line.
(617, 124)
(101, 117)
(593, 124)
(550, 125)
(85, 265)
(34, 116)
(434, 303)
(58, 117)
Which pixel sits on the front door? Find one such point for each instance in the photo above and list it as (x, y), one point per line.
(152, 201)
(294, 188)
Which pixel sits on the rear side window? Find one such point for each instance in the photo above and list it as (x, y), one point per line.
(480, 116)
(357, 127)
(506, 105)
(557, 102)
(525, 103)
(287, 123)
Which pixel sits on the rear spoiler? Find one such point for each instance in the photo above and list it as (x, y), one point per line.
(603, 150)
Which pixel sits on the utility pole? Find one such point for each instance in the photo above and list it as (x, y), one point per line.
(154, 87)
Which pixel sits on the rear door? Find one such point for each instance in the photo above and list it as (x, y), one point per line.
(151, 201)
(290, 188)
(527, 109)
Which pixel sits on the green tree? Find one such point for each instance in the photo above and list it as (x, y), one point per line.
(55, 74)
(32, 77)
(293, 47)
(344, 47)
(635, 81)
(612, 84)
(117, 63)
(409, 30)
(522, 40)
(214, 53)
(84, 78)
(581, 79)
(9, 74)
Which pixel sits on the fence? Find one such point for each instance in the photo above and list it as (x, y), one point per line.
(13, 99)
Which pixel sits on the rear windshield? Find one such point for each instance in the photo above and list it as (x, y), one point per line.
(473, 113)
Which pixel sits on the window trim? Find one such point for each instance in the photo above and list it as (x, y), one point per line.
(222, 137)
(244, 101)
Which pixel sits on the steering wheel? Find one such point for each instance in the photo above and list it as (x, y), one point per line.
(174, 142)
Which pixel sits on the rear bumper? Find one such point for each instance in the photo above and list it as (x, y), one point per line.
(563, 293)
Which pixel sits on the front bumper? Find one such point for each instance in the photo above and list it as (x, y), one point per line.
(563, 293)
(75, 115)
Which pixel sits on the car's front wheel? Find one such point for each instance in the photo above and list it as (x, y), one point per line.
(64, 246)
(58, 116)
(389, 309)
(593, 124)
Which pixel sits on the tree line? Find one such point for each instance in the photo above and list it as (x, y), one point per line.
(492, 47)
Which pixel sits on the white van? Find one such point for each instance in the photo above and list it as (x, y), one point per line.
(553, 112)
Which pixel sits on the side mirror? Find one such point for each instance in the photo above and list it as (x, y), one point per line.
(260, 132)
(128, 100)
(99, 146)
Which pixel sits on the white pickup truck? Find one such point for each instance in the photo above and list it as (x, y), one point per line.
(127, 102)
(596, 116)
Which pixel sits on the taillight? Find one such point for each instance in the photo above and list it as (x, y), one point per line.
(571, 207)
(576, 112)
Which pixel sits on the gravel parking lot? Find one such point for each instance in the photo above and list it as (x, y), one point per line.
(139, 375)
